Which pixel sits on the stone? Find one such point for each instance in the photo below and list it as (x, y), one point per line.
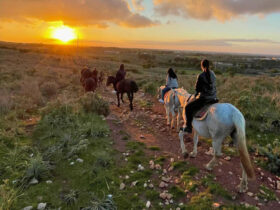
(49, 181)
(140, 167)
(228, 158)
(216, 205)
(162, 129)
(28, 208)
(79, 160)
(148, 204)
(278, 185)
(269, 179)
(157, 166)
(122, 186)
(151, 186)
(163, 184)
(126, 177)
(250, 194)
(230, 173)
(33, 181)
(41, 206)
(134, 183)
(145, 185)
(171, 168)
(72, 163)
(210, 152)
(169, 196)
(177, 181)
(164, 171)
(166, 179)
(171, 160)
(152, 164)
(142, 137)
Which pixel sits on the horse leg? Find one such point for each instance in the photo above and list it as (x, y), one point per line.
(167, 114)
(217, 144)
(173, 118)
(130, 100)
(129, 97)
(195, 141)
(183, 148)
(243, 186)
(178, 119)
(122, 97)
(184, 116)
(118, 96)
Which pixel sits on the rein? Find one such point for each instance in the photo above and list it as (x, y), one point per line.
(189, 98)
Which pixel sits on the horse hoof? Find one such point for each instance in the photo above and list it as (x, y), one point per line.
(185, 154)
(208, 168)
(192, 155)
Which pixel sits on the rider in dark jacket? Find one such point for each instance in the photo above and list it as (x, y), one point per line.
(205, 93)
(120, 74)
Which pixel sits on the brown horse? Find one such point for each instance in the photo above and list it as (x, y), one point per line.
(124, 86)
(88, 79)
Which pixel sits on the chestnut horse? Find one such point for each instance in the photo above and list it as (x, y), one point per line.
(124, 86)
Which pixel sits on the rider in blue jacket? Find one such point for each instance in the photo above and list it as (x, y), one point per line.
(171, 83)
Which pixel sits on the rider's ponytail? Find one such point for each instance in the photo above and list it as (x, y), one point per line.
(205, 64)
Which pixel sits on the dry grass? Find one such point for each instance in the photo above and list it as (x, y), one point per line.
(6, 102)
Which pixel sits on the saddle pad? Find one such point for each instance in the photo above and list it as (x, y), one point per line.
(202, 113)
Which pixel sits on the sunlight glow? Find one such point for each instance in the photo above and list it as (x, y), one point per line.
(64, 34)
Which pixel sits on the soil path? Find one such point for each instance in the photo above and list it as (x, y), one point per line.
(147, 123)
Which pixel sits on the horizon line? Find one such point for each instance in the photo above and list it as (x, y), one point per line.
(144, 48)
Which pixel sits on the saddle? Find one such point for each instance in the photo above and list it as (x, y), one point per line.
(203, 112)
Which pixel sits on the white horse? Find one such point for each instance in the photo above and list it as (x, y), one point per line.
(222, 120)
(174, 101)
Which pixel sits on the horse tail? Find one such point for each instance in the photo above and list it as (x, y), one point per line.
(239, 123)
(134, 87)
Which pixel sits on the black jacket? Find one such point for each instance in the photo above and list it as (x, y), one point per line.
(204, 88)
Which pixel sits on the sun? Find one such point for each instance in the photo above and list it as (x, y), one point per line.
(64, 34)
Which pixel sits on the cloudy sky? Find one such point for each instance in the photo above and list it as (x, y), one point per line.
(247, 26)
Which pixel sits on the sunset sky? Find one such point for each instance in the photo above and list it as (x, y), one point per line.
(247, 26)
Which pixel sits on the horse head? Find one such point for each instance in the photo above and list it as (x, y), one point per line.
(111, 80)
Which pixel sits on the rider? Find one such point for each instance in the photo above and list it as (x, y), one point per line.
(171, 83)
(205, 93)
(120, 74)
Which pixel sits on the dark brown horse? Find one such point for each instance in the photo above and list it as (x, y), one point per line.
(124, 86)
(88, 79)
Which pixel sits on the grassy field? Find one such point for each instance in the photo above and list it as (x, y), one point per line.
(50, 134)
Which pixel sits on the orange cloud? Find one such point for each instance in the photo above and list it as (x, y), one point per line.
(218, 9)
(74, 12)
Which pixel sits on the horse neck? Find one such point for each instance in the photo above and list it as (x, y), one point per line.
(114, 82)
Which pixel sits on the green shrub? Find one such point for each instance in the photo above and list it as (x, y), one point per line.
(272, 153)
(94, 103)
(37, 169)
(151, 88)
(49, 89)
(99, 204)
(71, 197)
(6, 102)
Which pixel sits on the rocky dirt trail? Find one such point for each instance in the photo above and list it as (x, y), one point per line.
(147, 124)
